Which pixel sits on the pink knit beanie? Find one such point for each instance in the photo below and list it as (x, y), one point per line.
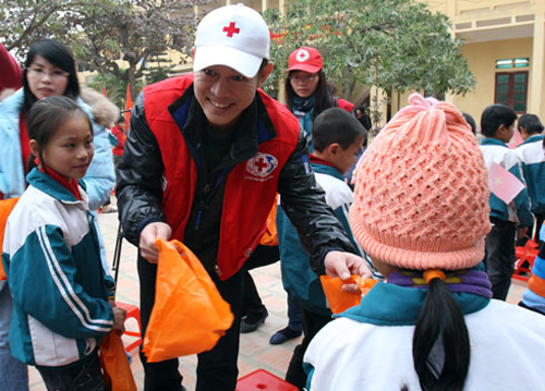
(421, 191)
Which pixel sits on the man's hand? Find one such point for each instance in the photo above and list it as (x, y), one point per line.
(522, 232)
(343, 265)
(153, 231)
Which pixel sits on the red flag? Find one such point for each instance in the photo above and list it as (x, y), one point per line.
(503, 184)
(128, 105)
(104, 91)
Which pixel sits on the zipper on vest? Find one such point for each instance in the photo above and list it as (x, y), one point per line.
(200, 209)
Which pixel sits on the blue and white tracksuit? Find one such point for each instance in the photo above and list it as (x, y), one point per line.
(59, 288)
(532, 156)
(518, 211)
(99, 181)
(297, 276)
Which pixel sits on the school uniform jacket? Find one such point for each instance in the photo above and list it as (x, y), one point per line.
(370, 346)
(518, 210)
(297, 276)
(163, 178)
(60, 293)
(532, 154)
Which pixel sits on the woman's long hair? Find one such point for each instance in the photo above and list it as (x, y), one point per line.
(441, 350)
(324, 97)
(58, 55)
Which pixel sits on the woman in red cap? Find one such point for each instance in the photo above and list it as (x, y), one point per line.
(307, 95)
(307, 90)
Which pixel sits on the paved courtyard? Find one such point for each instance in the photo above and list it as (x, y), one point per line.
(255, 350)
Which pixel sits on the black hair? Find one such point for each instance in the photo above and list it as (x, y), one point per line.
(336, 125)
(263, 65)
(531, 123)
(58, 55)
(441, 350)
(47, 115)
(469, 119)
(324, 97)
(121, 119)
(494, 116)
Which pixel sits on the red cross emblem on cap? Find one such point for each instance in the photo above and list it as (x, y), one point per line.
(302, 55)
(231, 30)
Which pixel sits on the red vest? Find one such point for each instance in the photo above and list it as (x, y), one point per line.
(250, 187)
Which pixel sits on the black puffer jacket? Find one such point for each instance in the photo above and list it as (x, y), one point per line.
(139, 189)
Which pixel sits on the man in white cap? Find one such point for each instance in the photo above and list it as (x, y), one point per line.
(205, 156)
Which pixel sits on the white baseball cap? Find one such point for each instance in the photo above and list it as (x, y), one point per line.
(235, 36)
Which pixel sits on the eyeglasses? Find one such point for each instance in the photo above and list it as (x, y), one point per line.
(301, 78)
(56, 75)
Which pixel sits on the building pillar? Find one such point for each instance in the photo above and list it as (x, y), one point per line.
(451, 9)
(538, 66)
(282, 7)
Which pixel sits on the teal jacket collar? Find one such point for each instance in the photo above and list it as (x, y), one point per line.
(493, 141)
(393, 305)
(50, 186)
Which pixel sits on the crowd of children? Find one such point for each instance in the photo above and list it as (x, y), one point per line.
(423, 219)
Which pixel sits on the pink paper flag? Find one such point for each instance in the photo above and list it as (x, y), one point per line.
(503, 184)
(516, 140)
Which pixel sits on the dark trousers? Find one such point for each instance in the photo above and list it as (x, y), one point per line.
(217, 368)
(500, 256)
(312, 323)
(85, 375)
(262, 256)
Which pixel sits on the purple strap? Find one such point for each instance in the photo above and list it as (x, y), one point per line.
(464, 281)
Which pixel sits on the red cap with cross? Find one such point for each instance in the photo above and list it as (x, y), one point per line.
(305, 59)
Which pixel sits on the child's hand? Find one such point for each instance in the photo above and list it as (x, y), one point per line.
(522, 231)
(119, 319)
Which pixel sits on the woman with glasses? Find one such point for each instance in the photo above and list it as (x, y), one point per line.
(49, 70)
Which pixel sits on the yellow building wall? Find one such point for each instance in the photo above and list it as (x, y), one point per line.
(482, 62)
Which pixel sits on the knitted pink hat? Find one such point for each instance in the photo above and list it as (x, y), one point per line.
(421, 191)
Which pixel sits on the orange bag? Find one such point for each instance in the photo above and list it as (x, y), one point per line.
(339, 300)
(189, 315)
(113, 359)
(6, 206)
(270, 237)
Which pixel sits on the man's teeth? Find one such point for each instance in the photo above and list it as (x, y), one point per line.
(219, 105)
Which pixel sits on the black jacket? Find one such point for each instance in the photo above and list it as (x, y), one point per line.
(139, 188)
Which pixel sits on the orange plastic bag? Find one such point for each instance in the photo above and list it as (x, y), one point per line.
(339, 300)
(270, 237)
(189, 315)
(113, 359)
(6, 206)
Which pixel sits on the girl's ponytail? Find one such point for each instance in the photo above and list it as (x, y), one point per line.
(441, 350)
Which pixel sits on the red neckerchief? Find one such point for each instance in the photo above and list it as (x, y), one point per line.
(70, 184)
(319, 160)
(24, 140)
